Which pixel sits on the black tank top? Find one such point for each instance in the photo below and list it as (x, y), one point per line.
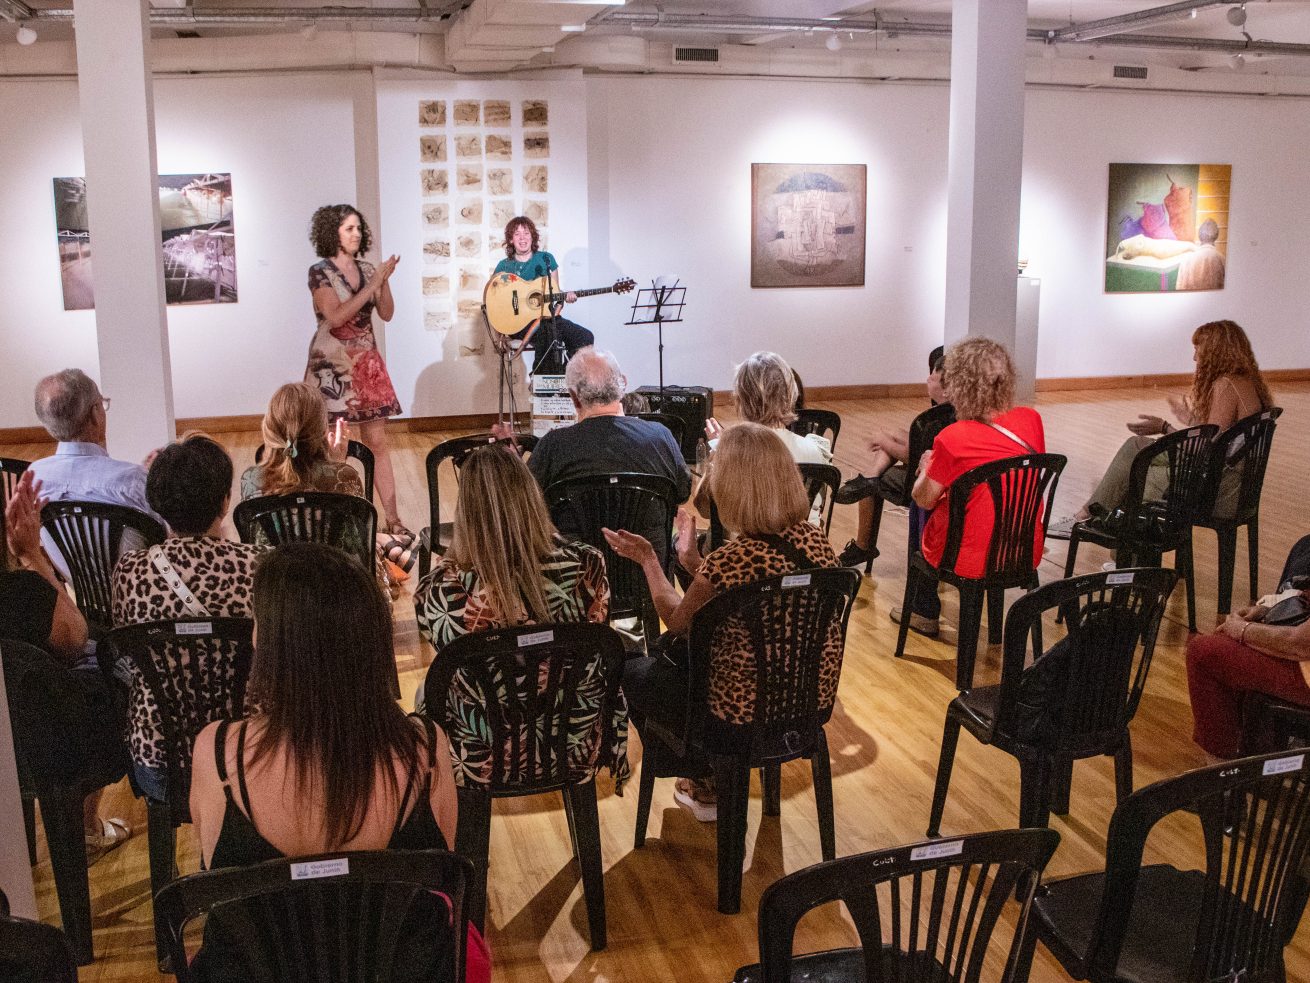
(240, 844)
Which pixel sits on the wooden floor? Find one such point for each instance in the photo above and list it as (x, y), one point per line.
(884, 737)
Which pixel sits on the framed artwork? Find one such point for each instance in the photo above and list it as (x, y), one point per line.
(807, 225)
(1166, 227)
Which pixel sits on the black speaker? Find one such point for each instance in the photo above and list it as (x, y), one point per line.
(691, 404)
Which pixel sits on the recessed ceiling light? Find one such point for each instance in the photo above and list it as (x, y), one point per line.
(25, 35)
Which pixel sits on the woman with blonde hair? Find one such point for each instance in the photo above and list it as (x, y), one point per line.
(1226, 387)
(760, 495)
(765, 392)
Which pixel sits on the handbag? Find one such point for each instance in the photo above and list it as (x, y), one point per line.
(1288, 612)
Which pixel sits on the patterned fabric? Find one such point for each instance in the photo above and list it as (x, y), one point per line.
(220, 575)
(451, 602)
(344, 362)
(732, 665)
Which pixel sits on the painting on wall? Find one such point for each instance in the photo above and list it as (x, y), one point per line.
(807, 225)
(199, 240)
(1167, 227)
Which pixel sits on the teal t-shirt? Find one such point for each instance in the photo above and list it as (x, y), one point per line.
(533, 268)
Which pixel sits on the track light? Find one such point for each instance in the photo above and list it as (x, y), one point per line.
(25, 35)
(1237, 15)
(833, 43)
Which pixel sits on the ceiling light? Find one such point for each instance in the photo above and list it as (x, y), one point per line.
(573, 28)
(25, 35)
(833, 43)
(1237, 15)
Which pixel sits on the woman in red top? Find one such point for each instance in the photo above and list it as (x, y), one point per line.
(978, 376)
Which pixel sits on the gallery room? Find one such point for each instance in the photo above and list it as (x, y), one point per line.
(695, 415)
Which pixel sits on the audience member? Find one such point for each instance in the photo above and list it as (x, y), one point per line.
(196, 573)
(891, 450)
(765, 392)
(506, 566)
(36, 609)
(1226, 387)
(1249, 653)
(759, 493)
(634, 403)
(604, 440)
(328, 761)
(978, 377)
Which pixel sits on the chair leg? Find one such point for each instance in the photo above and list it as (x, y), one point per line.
(771, 777)
(1185, 566)
(573, 826)
(995, 615)
(945, 764)
(1061, 786)
(966, 649)
(874, 529)
(645, 792)
(1071, 557)
(1253, 554)
(732, 780)
(580, 802)
(1227, 564)
(907, 606)
(61, 815)
(1034, 792)
(473, 841)
(821, 770)
(29, 827)
(1123, 769)
(161, 837)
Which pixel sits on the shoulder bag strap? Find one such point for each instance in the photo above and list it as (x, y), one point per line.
(1013, 436)
(796, 557)
(174, 580)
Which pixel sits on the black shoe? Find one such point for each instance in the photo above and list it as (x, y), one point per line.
(857, 488)
(854, 555)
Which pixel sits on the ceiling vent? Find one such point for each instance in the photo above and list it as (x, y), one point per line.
(682, 56)
(1130, 72)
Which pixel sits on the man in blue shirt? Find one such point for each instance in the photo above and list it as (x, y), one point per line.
(527, 261)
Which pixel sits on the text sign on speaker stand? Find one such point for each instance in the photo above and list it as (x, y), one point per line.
(551, 406)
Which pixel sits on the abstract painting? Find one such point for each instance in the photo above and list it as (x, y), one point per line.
(1167, 227)
(807, 225)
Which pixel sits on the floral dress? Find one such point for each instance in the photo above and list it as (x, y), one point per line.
(451, 602)
(344, 362)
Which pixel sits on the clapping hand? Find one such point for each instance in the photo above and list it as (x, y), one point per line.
(1146, 426)
(925, 461)
(23, 517)
(713, 429)
(385, 269)
(338, 440)
(629, 545)
(684, 528)
(1178, 406)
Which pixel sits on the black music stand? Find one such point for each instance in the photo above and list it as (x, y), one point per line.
(659, 306)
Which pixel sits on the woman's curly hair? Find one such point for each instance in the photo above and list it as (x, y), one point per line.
(978, 376)
(1222, 348)
(324, 234)
(513, 226)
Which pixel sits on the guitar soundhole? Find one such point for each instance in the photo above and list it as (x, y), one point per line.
(535, 300)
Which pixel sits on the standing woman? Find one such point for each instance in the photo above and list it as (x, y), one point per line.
(344, 361)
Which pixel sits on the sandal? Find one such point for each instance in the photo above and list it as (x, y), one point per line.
(115, 833)
(399, 553)
(397, 531)
(698, 797)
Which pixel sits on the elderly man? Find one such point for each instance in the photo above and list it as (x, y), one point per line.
(604, 441)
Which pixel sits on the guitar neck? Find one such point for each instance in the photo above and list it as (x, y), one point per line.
(590, 292)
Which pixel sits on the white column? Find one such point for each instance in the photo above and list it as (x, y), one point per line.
(985, 169)
(15, 870)
(118, 140)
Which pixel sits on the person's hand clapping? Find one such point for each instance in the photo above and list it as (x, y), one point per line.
(925, 461)
(1146, 426)
(684, 526)
(385, 269)
(338, 440)
(629, 545)
(23, 518)
(713, 429)
(1178, 406)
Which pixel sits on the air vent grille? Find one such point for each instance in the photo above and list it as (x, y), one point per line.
(1129, 71)
(695, 54)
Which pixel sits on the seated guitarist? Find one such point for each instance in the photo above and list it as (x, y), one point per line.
(526, 261)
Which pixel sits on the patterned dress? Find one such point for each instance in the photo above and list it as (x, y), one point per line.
(344, 362)
(451, 602)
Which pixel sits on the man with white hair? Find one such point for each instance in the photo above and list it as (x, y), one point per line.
(604, 441)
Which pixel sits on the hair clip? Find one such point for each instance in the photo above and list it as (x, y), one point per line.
(291, 447)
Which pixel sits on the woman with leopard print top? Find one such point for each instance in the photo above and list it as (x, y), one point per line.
(190, 486)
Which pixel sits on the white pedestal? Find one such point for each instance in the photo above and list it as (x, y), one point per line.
(1027, 307)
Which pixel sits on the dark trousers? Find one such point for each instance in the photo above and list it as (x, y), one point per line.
(926, 602)
(571, 337)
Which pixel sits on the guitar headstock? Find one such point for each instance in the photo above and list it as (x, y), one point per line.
(625, 285)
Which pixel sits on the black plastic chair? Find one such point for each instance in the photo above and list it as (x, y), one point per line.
(1077, 697)
(633, 502)
(967, 880)
(347, 522)
(435, 536)
(821, 484)
(1229, 921)
(1141, 531)
(32, 951)
(354, 450)
(90, 536)
(48, 712)
(540, 688)
(825, 423)
(1242, 448)
(196, 669)
(789, 618)
(675, 424)
(336, 916)
(1021, 491)
(11, 469)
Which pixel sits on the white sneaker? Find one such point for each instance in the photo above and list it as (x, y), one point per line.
(1109, 566)
(704, 812)
(1061, 528)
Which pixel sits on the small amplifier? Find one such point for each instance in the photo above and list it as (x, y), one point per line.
(691, 404)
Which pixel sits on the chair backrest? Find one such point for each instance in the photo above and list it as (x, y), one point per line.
(455, 450)
(547, 693)
(923, 912)
(351, 916)
(640, 503)
(1079, 695)
(91, 536)
(354, 451)
(1187, 454)
(1245, 447)
(33, 951)
(196, 669)
(347, 522)
(676, 424)
(825, 423)
(924, 429)
(1255, 819)
(789, 621)
(1021, 490)
(821, 484)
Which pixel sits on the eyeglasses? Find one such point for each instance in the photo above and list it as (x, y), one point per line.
(104, 401)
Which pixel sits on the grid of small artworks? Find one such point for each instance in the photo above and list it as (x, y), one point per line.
(476, 172)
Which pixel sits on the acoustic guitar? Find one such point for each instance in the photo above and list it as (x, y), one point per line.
(512, 303)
